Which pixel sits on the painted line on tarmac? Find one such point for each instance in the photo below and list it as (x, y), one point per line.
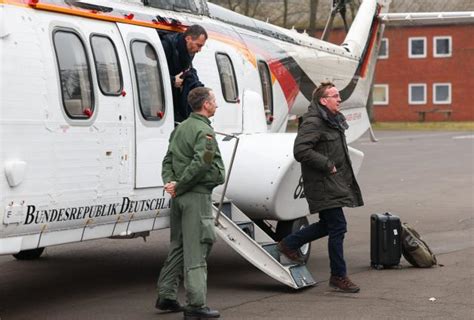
(464, 137)
(407, 136)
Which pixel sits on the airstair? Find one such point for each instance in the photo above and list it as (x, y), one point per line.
(251, 242)
(257, 247)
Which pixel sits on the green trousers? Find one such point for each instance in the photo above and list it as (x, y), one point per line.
(192, 236)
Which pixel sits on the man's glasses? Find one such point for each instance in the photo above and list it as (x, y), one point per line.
(336, 96)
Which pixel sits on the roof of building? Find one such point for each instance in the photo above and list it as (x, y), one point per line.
(431, 5)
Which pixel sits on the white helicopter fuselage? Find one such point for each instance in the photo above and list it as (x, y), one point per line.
(69, 179)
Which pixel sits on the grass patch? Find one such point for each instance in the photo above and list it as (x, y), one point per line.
(425, 126)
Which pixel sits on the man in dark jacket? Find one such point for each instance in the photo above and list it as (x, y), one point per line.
(192, 168)
(180, 49)
(328, 179)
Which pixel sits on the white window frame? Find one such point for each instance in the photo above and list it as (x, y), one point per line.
(416, 56)
(410, 85)
(449, 95)
(386, 47)
(382, 103)
(232, 78)
(443, 55)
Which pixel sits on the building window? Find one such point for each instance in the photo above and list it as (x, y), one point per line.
(383, 50)
(74, 75)
(148, 75)
(380, 94)
(107, 65)
(442, 47)
(417, 47)
(441, 93)
(227, 77)
(267, 93)
(417, 93)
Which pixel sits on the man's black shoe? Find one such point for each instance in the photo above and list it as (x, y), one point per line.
(201, 313)
(168, 305)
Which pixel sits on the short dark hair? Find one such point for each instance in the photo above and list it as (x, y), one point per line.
(195, 31)
(198, 96)
(320, 91)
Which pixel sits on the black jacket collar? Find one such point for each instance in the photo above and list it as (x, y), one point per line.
(184, 56)
(337, 121)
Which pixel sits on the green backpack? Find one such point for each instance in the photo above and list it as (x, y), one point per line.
(415, 250)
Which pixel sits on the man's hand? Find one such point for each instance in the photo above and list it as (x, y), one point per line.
(178, 81)
(170, 188)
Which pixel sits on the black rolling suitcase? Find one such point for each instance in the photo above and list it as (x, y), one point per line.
(385, 244)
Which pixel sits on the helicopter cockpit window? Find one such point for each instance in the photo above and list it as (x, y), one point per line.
(150, 85)
(74, 75)
(175, 5)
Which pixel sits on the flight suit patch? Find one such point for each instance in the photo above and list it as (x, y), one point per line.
(208, 157)
(209, 140)
(209, 153)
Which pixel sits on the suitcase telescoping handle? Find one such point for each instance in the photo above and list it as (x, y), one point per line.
(384, 236)
(385, 225)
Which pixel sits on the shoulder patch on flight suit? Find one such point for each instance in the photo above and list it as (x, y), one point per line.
(209, 142)
(209, 153)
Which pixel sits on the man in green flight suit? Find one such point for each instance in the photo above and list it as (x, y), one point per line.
(192, 167)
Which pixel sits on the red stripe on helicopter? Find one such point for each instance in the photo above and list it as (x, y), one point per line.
(286, 80)
(371, 44)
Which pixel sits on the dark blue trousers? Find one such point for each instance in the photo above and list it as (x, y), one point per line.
(333, 223)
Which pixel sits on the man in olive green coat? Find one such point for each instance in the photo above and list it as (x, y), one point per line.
(328, 179)
(192, 168)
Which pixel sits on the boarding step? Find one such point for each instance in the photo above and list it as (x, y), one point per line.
(257, 247)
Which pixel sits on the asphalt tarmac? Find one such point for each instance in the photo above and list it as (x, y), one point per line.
(426, 178)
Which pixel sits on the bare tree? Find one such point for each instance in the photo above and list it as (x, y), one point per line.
(313, 12)
(310, 15)
(353, 7)
(253, 12)
(232, 5)
(285, 13)
(245, 7)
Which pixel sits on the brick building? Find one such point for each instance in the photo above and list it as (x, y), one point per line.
(425, 68)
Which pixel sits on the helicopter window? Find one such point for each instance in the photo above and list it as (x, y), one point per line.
(149, 82)
(267, 93)
(107, 65)
(227, 76)
(74, 75)
(177, 5)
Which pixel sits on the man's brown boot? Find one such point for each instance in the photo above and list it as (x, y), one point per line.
(291, 254)
(343, 284)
